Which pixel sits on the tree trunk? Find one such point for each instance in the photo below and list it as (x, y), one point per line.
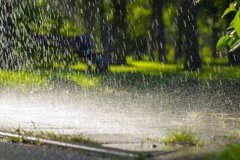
(8, 57)
(190, 33)
(89, 16)
(118, 38)
(104, 29)
(159, 29)
(179, 40)
(215, 38)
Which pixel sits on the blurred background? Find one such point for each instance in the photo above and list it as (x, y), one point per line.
(183, 32)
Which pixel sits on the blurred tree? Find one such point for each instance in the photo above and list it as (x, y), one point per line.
(188, 34)
(118, 31)
(40, 17)
(8, 56)
(215, 12)
(139, 19)
(104, 28)
(157, 37)
(89, 10)
(179, 36)
(210, 25)
(215, 29)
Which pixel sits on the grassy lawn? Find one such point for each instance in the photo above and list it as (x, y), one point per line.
(214, 69)
(21, 79)
(136, 73)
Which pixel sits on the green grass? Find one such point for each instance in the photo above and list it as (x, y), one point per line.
(231, 152)
(137, 74)
(86, 81)
(65, 138)
(21, 79)
(46, 135)
(215, 69)
(27, 80)
(182, 138)
(146, 67)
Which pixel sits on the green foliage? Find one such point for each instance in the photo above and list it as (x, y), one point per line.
(141, 156)
(231, 152)
(138, 18)
(232, 38)
(41, 17)
(223, 42)
(236, 23)
(185, 138)
(108, 6)
(231, 8)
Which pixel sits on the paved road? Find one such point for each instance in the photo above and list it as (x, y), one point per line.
(117, 117)
(28, 152)
(140, 115)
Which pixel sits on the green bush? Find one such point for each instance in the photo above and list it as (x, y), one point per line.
(232, 38)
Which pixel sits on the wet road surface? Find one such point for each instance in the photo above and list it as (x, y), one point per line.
(28, 152)
(122, 117)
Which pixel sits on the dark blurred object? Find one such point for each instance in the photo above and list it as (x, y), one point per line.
(83, 45)
(234, 57)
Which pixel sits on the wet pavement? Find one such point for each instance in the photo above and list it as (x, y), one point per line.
(129, 120)
(22, 152)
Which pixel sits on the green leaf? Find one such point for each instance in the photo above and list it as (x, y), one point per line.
(223, 42)
(237, 2)
(235, 46)
(231, 8)
(236, 23)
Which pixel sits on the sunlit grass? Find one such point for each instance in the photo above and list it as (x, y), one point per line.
(85, 80)
(146, 67)
(216, 61)
(216, 69)
(23, 79)
(135, 73)
(79, 66)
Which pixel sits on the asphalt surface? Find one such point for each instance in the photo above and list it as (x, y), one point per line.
(9, 151)
(122, 117)
(118, 118)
